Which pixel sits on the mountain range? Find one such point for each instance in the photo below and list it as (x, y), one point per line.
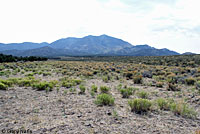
(102, 45)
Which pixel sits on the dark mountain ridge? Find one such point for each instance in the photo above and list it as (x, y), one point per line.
(88, 45)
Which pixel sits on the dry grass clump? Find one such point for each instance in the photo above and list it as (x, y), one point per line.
(104, 99)
(140, 105)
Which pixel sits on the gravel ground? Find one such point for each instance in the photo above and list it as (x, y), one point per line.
(73, 113)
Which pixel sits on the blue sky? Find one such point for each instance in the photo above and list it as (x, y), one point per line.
(172, 24)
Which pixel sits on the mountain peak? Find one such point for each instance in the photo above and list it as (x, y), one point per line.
(88, 45)
(104, 35)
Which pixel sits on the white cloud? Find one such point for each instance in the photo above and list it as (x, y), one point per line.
(173, 24)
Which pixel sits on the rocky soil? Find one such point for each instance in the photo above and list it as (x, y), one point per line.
(66, 112)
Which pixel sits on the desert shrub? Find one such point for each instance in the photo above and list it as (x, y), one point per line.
(190, 81)
(46, 74)
(105, 78)
(87, 73)
(173, 87)
(6, 82)
(27, 82)
(95, 72)
(163, 104)
(137, 79)
(128, 75)
(29, 74)
(139, 105)
(94, 88)
(159, 84)
(172, 78)
(92, 93)
(126, 92)
(198, 85)
(14, 80)
(57, 89)
(43, 86)
(2, 73)
(104, 89)
(104, 99)
(147, 74)
(70, 82)
(183, 109)
(143, 94)
(67, 84)
(76, 81)
(24, 82)
(119, 87)
(72, 90)
(82, 89)
(3, 86)
(54, 82)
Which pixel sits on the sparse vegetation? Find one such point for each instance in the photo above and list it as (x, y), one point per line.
(104, 89)
(104, 99)
(126, 92)
(155, 86)
(137, 79)
(143, 94)
(173, 87)
(94, 88)
(183, 109)
(190, 81)
(159, 84)
(82, 89)
(140, 105)
(3, 86)
(163, 104)
(43, 86)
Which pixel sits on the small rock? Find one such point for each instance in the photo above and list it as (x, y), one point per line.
(102, 122)
(79, 116)
(109, 113)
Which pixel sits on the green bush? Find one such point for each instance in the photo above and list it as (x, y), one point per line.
(183, 109)
(3, 86)
(198, 85)
(46, 74)
(104, 99)
(76, 81)
(54, 82)
(14, 80)
(137, 79)
(119, 87)
(6, 82)
(190, 81)
(27, 82)
(126, 92)
(143, 94)
(43, 86)
(163, 104)
(70, 82)
(29, 74)
(159, 84)
(92, 93)
(128, 75)
(105, 78)
(94, 88)
(140, 105)
(67, 84)
(72, 90)
(173, 87)
(104, 89)
(82, 89)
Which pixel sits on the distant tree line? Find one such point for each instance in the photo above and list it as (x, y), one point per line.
(10, 58)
